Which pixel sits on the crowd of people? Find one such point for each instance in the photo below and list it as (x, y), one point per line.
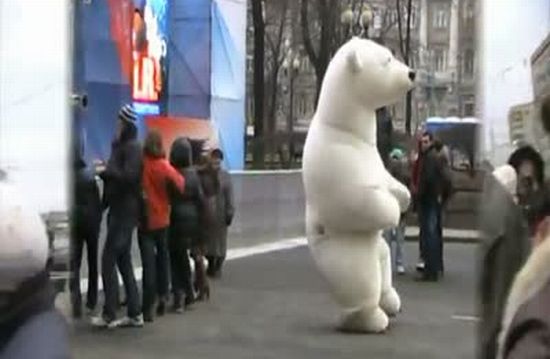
(181, 206)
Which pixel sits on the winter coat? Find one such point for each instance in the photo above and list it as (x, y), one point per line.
(86, 210)
(504, 249)
(430, 177)
(187, 207)
(30, 327)
(526, 324)
(122, 194)
(158, 173)
(219, 210)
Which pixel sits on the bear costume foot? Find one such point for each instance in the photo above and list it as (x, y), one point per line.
(363, 321)
(390, 302)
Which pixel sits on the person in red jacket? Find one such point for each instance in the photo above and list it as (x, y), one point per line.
(157, 174)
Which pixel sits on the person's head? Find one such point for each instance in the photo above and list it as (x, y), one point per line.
(426, 141)
(181, 153)
(126, 124)
(197, 150)
(153, 145)
(216, 158)
(529, 165)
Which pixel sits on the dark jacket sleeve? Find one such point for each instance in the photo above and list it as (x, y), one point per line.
(429, 176)
(130, 171)
(228, 193)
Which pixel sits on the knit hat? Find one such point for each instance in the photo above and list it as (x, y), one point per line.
(396, 153)
(128, 114)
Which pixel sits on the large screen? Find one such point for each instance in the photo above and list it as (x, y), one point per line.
(150, 50)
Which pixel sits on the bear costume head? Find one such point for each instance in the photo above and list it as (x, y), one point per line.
(363, 76)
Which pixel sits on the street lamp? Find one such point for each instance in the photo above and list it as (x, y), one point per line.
(365, 20)
(357, 22)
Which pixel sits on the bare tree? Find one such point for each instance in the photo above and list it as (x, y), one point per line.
(276, 56)
(325, 21)
(259, 82)
(405, 47)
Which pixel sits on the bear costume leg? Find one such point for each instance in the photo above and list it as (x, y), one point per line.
(389, 300)
(351, 267)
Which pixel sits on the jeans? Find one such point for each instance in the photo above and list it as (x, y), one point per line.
(117, 253)
(430, 231)
(154, 258)
(81, 236)
(181, 266)
(395, 238)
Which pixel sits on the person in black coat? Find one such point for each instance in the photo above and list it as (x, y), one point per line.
(429, 202)
(85, 223)
(123, 198)
(185, 219)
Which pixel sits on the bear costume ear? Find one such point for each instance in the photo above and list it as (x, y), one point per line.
(354, 61)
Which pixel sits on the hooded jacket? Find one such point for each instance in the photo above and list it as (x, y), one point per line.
(158, 174)
(86, 202)
(123, 175)
(187, 207)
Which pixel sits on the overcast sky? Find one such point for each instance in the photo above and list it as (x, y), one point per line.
(33, 97)
(511, 31)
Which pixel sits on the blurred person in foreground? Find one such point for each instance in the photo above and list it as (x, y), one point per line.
(525, 328)
(532, 193)
(30, 326)
(396, 236)
(85, 221)
(504, 248)
(185, 217)
(158, 175)
(123, 198)
(216, 249)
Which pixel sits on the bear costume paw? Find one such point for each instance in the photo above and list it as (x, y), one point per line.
(365, 321)
(390, 302)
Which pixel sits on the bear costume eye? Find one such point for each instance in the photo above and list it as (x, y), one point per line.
(388, 61)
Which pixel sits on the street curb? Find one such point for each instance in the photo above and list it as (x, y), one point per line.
(447, 240)
(450, 235)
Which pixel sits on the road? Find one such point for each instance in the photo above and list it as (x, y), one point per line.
(274, 305)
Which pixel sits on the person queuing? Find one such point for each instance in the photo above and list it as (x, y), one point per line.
(158, 173)
(85, 223)
(122, 197)
(185, 217)
(216, 248)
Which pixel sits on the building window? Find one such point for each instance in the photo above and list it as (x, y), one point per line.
(469, 63)
(440, 17)
(469, 109)
(468, 11)
(440, 60)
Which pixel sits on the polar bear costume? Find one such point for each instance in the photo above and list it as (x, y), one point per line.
(23, 238)
(350, 197)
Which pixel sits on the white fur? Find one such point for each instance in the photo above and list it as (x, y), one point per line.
(350, 197)
(23, 239)
(528, 282)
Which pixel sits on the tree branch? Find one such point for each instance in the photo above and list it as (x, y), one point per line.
(400, 25)
(308, 45)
